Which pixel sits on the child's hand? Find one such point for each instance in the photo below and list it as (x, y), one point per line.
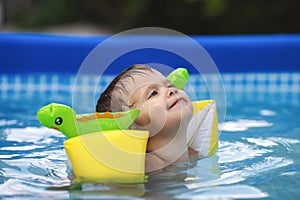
(192, 152)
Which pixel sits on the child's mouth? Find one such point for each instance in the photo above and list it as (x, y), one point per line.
(175, 103)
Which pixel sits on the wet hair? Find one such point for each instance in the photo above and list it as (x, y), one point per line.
(106, 102)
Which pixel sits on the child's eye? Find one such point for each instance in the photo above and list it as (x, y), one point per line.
(153, 93)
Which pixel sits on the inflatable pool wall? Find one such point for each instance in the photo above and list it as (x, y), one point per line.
(44, 53)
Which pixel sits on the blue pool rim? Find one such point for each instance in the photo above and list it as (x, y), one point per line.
(46, 53)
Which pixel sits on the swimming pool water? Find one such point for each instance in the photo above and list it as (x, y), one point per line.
(257, 157)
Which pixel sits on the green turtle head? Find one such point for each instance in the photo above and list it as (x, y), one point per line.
(59, 117)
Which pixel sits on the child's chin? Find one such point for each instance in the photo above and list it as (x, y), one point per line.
(181, 118)
(187, 113)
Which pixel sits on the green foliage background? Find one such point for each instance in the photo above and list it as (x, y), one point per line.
(186, 16)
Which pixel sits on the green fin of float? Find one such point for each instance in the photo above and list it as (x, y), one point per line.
(179, 78)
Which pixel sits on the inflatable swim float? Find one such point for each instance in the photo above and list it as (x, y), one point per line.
(100, 146)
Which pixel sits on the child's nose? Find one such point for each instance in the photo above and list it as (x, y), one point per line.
(171, 92)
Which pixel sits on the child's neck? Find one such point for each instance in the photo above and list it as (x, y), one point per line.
(167, 151)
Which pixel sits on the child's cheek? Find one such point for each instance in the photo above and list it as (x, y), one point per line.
(151, 118)
(158, 118)
(143, 119)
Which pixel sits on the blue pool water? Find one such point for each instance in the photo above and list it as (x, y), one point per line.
(257, 157)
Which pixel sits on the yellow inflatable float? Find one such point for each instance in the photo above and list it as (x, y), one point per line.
(101, 148)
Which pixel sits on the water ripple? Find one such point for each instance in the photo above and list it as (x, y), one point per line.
(238, 151)
(225, 192)
(268, 164)
(273, 141)
(243, 125)
(32, 159)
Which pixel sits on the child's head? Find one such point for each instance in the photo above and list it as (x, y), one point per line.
(164, 109)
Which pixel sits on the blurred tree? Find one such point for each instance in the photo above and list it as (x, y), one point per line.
(187, 16)
(43, 13)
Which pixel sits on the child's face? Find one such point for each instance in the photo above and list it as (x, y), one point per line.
(163, 108)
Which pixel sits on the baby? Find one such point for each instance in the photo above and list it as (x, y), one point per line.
(165, 112)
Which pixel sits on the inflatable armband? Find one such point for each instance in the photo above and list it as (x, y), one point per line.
(100, 148)
(109, 156)
(202, 133)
